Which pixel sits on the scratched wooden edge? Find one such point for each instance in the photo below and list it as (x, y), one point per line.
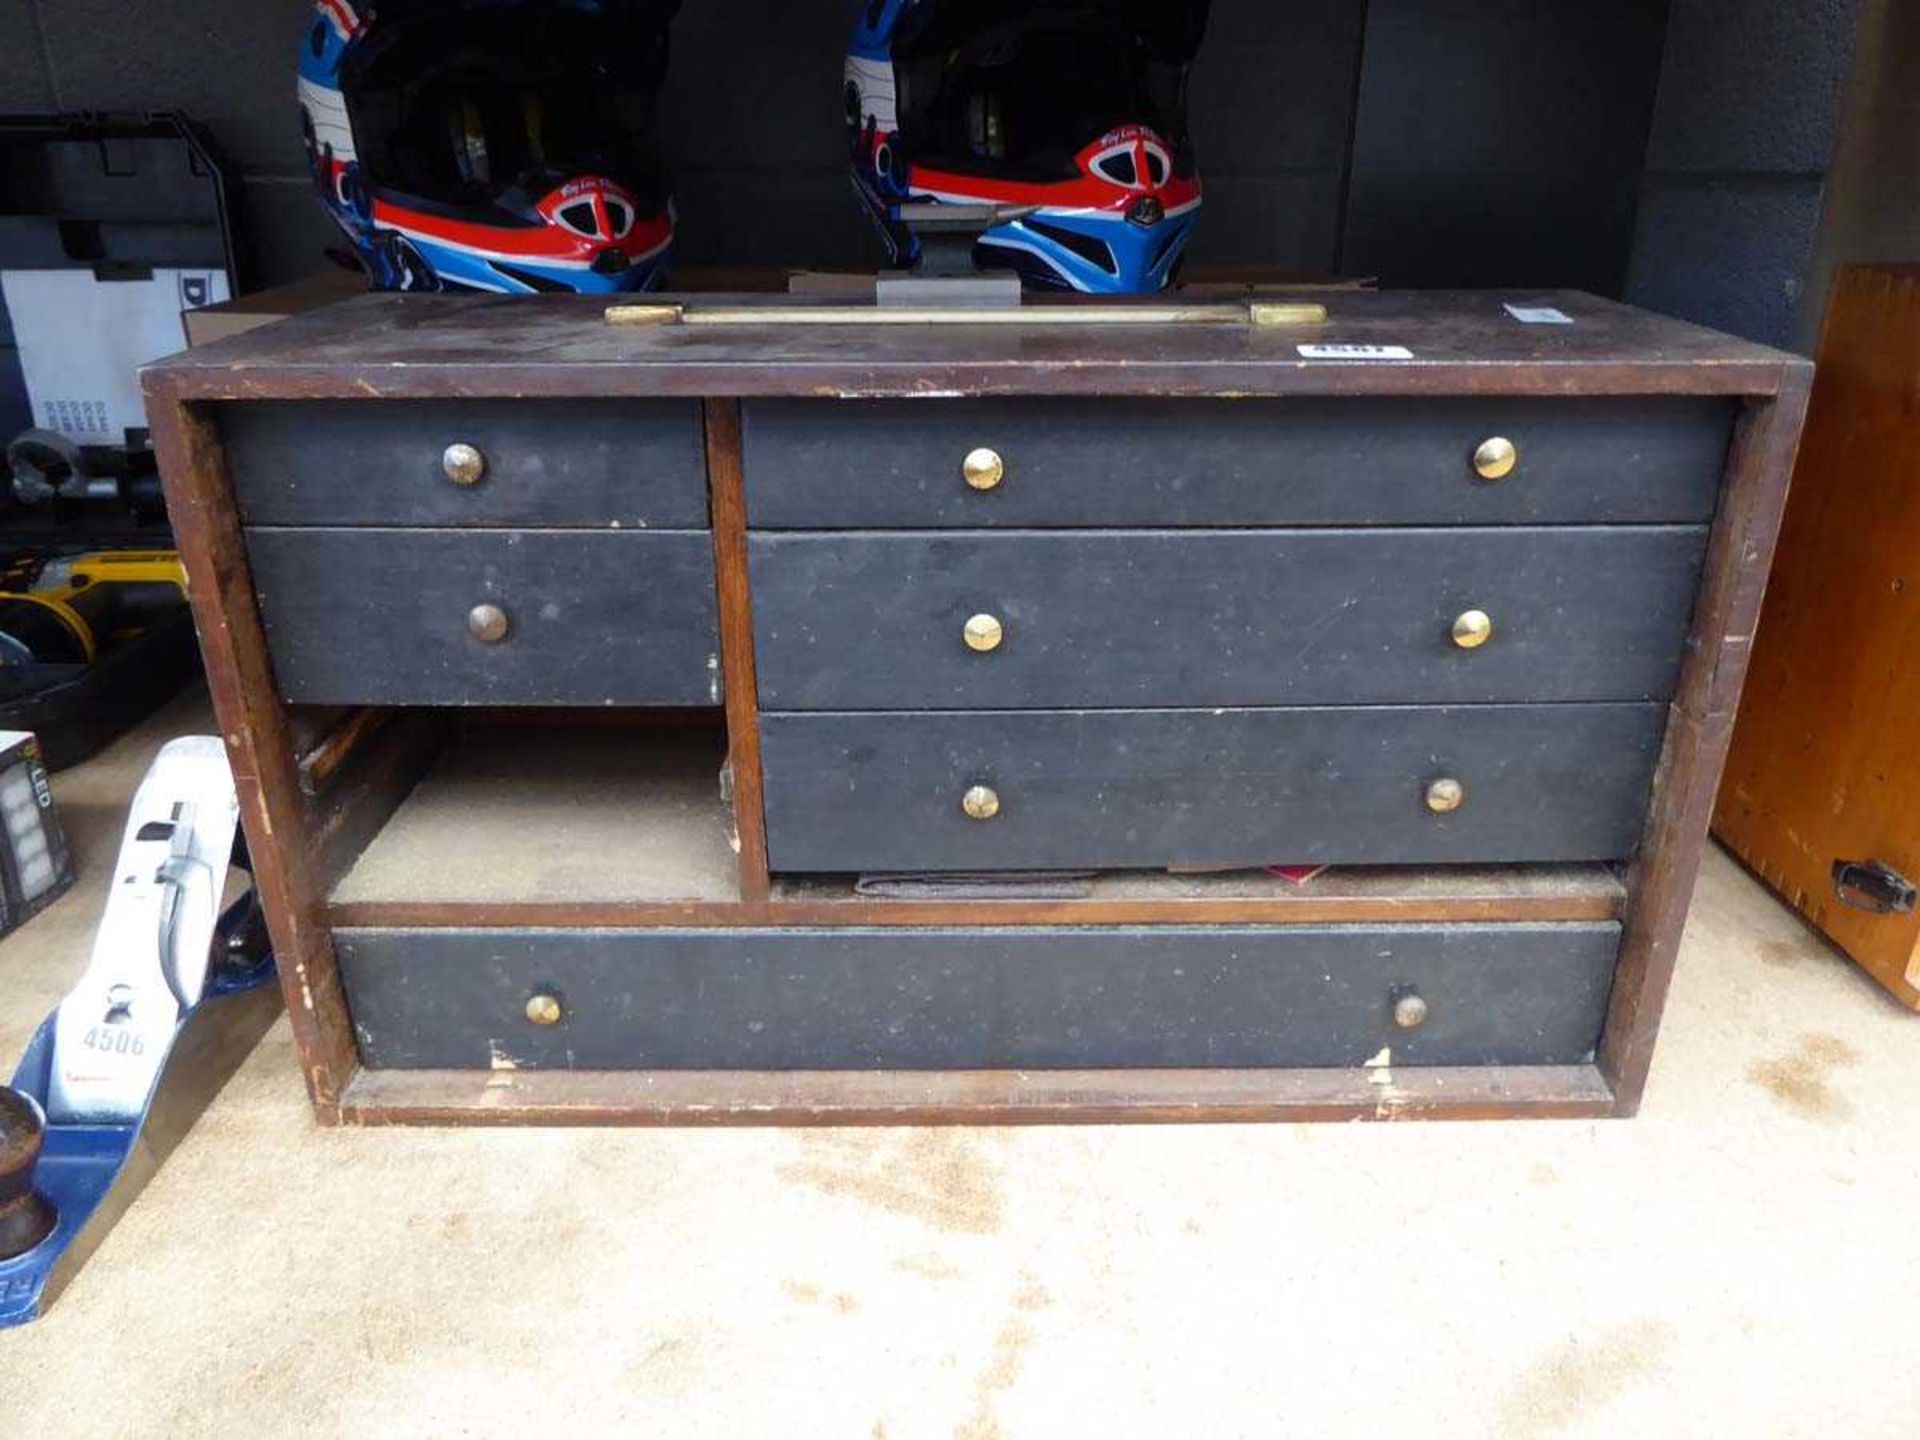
(911, 914)
(275, 814)
(974, 1097)
(1196, 380)
(726, 488)
(1700, 729)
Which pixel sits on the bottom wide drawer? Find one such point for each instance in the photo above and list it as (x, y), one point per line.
(851, 999)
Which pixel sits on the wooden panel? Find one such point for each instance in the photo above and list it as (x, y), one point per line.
(1823, 760)
(1661, 882)
(979, 999)
(736, 645)
(379, 617)
(979, 1097)
(547, 463)
(1148, 788)
(1182, 618)
(1390, 895)
(286, 865)
(882, 465)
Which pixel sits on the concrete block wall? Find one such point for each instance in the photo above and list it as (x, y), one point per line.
(1500, 142)
(1517, 106)
(1872, 212)
(1744, 134)
(752, 117)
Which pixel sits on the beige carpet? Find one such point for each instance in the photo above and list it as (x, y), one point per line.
(1742, 1261)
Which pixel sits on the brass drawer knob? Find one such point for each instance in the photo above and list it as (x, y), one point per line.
(1445, 796)
(1495, 459)
(544, 1010)
(982, 802)
(463, 464)
(984, 634)
(1472, 629)
(984, 469)
(488, 624)
(1410, 1012)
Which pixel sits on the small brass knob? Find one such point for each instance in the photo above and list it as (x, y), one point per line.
(544, 1010)
(1446, 796)
(463, 464)
(1410, 1012)
(984, 469)
(1472, 629)
(488, 624)
(980, 803)
(1495, 459)
(984, 633)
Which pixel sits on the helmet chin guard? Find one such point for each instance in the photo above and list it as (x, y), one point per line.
(1074, 111)
(494, 145)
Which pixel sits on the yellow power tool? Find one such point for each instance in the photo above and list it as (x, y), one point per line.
(65, 611)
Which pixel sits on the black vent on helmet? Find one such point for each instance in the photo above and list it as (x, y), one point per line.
(531, 280)
(1095, 252)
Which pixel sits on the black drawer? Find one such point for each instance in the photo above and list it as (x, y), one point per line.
(979, 999)
(595, 463)
(1143, 789)
(901, 464)
(1211, 617)
(401, 617)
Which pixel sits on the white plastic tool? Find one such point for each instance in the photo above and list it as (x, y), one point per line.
(154, 947)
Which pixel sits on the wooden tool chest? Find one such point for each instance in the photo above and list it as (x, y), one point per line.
(574, 675)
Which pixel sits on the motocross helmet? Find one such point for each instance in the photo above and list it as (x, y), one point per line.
(1077, 107)
(500, 145)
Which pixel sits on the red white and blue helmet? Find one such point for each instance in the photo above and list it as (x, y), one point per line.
(498, 145)
(1075, 106)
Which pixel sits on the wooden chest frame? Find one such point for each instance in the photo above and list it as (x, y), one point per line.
(309, 793)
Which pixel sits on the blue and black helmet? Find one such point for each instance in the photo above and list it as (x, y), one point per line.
(1076, 107)
(498, 145)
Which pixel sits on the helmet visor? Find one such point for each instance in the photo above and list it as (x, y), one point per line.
(1022, 95)
(463, 107)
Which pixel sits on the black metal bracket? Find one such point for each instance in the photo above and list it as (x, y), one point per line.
(1873, 886)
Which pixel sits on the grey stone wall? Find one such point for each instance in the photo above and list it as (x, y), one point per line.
(1495, 140)
(1744, 133)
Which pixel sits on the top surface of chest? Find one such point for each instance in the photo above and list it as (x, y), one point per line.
(400, 346)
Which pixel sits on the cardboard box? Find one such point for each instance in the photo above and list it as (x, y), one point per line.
(263, 307)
